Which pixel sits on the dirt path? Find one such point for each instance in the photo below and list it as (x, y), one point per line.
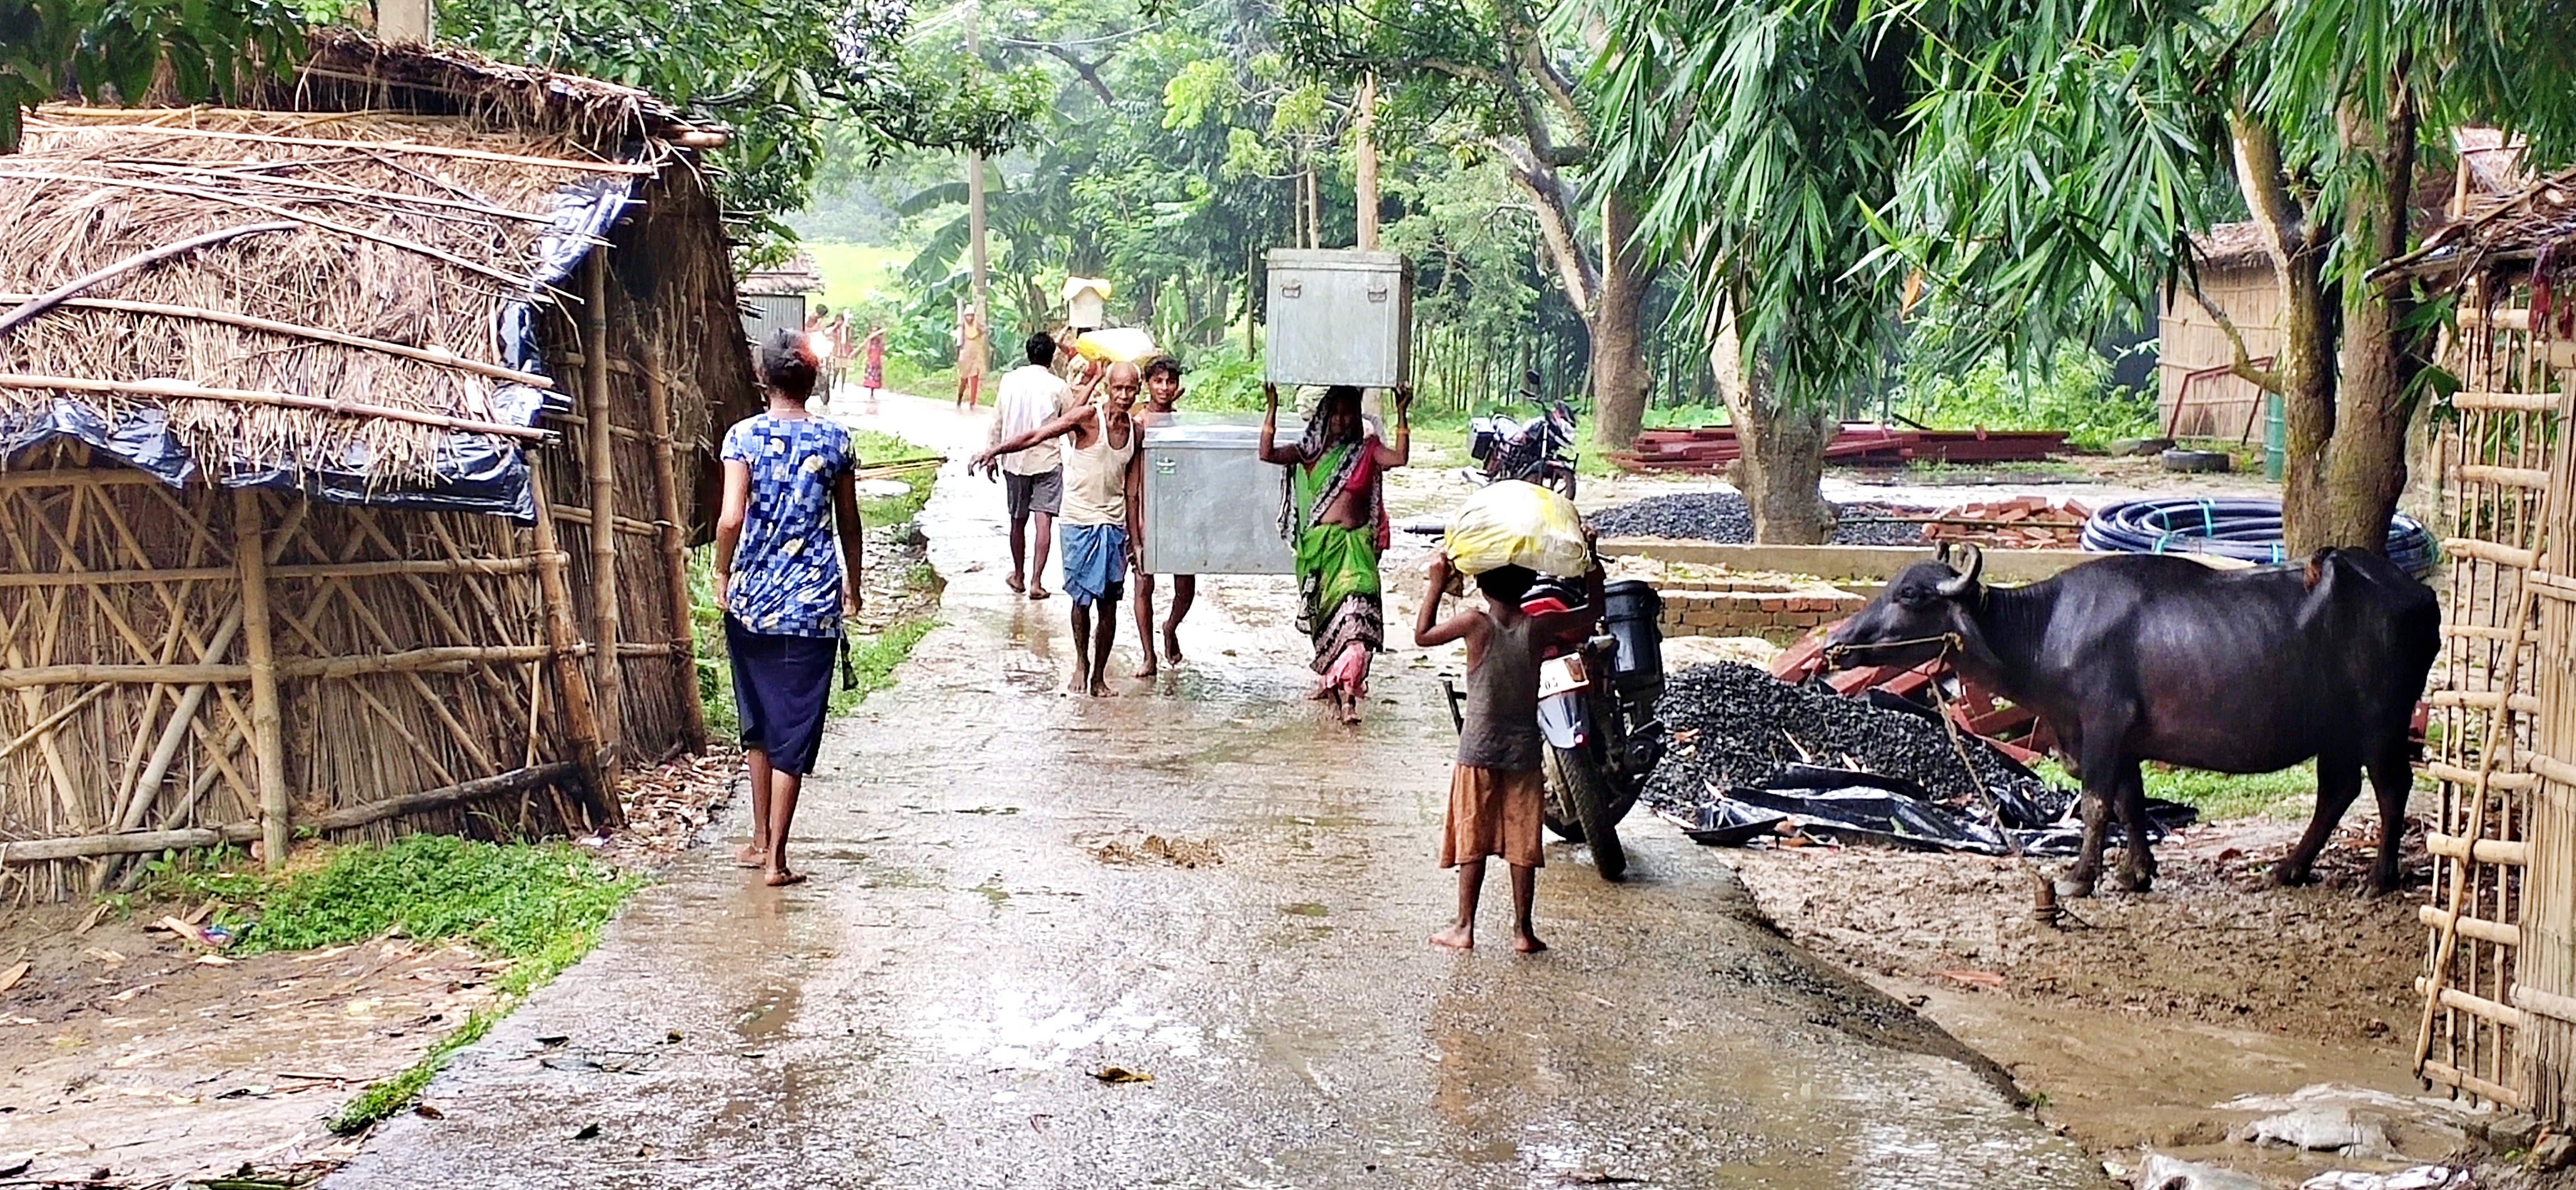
(2137, 1024)
(994, 931)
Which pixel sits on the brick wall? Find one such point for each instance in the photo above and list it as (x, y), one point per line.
(1751, 607)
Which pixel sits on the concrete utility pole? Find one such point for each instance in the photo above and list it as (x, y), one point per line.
(405, 20)
(975, 194)
(1365, 171)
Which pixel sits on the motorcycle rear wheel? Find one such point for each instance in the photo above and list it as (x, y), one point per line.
(1584, 796)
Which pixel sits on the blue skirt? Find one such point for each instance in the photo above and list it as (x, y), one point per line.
(1094, 558)
(782, 687)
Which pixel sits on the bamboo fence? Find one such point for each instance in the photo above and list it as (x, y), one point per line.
(200, 665)
(2499, 1016)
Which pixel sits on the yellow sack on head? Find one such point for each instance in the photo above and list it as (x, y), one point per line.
(1512, 523)
(1117, 345)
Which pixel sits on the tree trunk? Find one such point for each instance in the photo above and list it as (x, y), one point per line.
(1619, 376)
(1610, 296)
(2374, 399)
(1783, 450)
(2302, 373)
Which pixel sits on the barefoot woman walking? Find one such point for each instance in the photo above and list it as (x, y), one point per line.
(787, 569)
(1335, 517)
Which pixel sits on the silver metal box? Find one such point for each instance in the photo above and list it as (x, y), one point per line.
(1211, 504)
(1340, 316)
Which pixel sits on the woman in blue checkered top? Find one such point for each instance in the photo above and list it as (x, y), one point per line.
(787, 569)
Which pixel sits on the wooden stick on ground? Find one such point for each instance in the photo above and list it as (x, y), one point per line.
(47, 300)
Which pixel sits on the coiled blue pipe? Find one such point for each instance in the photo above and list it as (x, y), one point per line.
(2247, 527)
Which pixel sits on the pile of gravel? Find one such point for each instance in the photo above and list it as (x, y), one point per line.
(1734, 725)
(1723, 516)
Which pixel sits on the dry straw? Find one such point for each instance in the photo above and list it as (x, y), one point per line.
(413, 233)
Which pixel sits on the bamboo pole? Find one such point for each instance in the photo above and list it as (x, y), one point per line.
(601, 469)
(491, 567)
(574, 514)
(572, 680)
(429, 355)
(358, 196)
(599, 167)
(147, 785)
(184, 391)
(54, 720)
(675, 545)
(32, 851)
(268, 735)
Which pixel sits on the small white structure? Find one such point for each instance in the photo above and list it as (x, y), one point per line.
(1086, 303)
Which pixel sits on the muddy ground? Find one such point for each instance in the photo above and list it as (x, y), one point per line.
(131, 1057)
(2131, 1025)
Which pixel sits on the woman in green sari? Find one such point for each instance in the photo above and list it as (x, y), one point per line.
(1335, 515)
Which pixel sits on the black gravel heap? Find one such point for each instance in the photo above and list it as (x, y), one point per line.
(1723, 516)
(1734, 725)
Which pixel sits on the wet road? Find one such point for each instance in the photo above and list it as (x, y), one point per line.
(989, 927)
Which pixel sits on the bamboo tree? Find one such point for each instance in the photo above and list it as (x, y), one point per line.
(2130, 127)
(1758, 140)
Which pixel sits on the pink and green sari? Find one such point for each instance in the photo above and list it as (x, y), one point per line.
(1337, 572)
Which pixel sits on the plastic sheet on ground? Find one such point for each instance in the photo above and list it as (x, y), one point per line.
(1847, 806)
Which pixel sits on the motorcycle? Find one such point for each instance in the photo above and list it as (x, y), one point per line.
(1596, 707)
(1539, 451)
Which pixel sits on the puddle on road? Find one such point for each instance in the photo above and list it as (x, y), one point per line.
(1022, 1031)
(768, 1015)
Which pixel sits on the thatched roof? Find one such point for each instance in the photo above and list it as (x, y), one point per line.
(798, 275)
(2533, 228)
(2231, 246)
(379, 329)
(2493, 159)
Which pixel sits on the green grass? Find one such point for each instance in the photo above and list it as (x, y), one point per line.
(540, 906)
(874, 658)
(858, 274)
(2290, 793)
(879, 446)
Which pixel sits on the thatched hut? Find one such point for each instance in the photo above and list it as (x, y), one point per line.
(2197, 394)
(350, 446)
(2499, 980)
(775, 299)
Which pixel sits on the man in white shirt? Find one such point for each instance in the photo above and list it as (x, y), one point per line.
(1031, 396)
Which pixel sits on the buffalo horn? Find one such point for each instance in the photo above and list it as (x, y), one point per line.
(1967, 580)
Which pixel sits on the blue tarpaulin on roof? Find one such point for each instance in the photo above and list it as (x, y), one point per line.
(474, 472)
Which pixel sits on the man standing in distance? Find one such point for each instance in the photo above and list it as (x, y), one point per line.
(970, 358)
(1030, 396)
(1104, 482)
(1162, 401)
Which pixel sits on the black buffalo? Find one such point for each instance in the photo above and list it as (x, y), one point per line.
(2146, 657)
